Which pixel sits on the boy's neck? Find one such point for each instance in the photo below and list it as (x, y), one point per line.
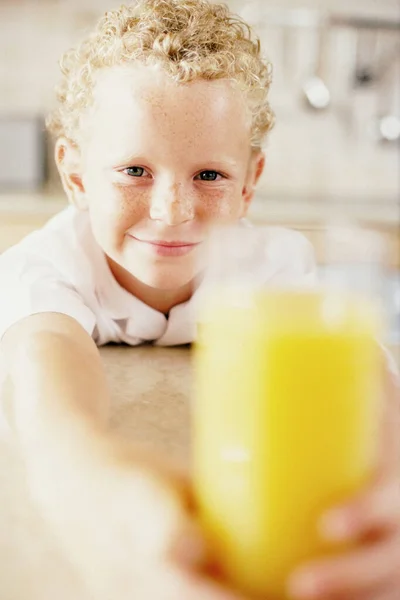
(160, 300)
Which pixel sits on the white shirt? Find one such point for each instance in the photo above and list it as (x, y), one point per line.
(61, 268)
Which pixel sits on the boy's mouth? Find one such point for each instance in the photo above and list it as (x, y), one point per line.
(168, 248)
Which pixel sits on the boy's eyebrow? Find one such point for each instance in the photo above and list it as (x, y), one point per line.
(135, 158)
(220, 161)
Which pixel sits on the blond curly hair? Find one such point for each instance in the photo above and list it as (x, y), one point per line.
(190, 39)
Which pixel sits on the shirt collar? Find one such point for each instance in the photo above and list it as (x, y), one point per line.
(116, 300)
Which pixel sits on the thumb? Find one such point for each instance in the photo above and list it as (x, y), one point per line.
(376, 510)
(189, 548)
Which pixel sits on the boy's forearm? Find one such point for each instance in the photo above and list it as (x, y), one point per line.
(56, 386)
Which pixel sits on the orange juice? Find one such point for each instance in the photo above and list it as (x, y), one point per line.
(285, 425)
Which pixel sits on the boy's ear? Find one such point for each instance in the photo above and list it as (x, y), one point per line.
(256, 168)
(68, 163)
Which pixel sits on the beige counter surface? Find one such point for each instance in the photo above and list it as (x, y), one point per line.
(151, 397)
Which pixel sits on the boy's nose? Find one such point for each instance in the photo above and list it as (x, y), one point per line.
(171, 205)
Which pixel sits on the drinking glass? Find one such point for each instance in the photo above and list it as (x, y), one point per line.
(288, 389)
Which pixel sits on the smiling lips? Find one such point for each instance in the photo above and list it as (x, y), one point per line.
(165, 248)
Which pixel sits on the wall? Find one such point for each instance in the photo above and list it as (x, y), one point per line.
(327, 155)
(33, 34)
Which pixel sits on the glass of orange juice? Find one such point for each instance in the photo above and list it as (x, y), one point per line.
(287, 400)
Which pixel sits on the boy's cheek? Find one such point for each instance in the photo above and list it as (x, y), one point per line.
(221, 208)
(116, 211)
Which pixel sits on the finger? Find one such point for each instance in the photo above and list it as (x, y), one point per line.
(379, 509)
(393, 594)
(384, 594)
(352, 573)
(390, 449)
(387, 592)
(189, 549)
(196, 587)
(379, 594)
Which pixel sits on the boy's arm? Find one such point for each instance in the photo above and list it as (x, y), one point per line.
(123, 518)
(55, 378)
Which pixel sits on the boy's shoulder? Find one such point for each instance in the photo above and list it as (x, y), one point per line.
(64, 244)
(53, 269)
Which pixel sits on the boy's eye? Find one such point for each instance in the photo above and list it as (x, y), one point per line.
(135, 171)
(209, 175)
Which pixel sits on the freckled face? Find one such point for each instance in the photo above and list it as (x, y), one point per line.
(162, 163)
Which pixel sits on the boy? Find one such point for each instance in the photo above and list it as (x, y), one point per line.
(160, 122)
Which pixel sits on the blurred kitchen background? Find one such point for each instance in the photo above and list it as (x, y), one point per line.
(334, 153)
